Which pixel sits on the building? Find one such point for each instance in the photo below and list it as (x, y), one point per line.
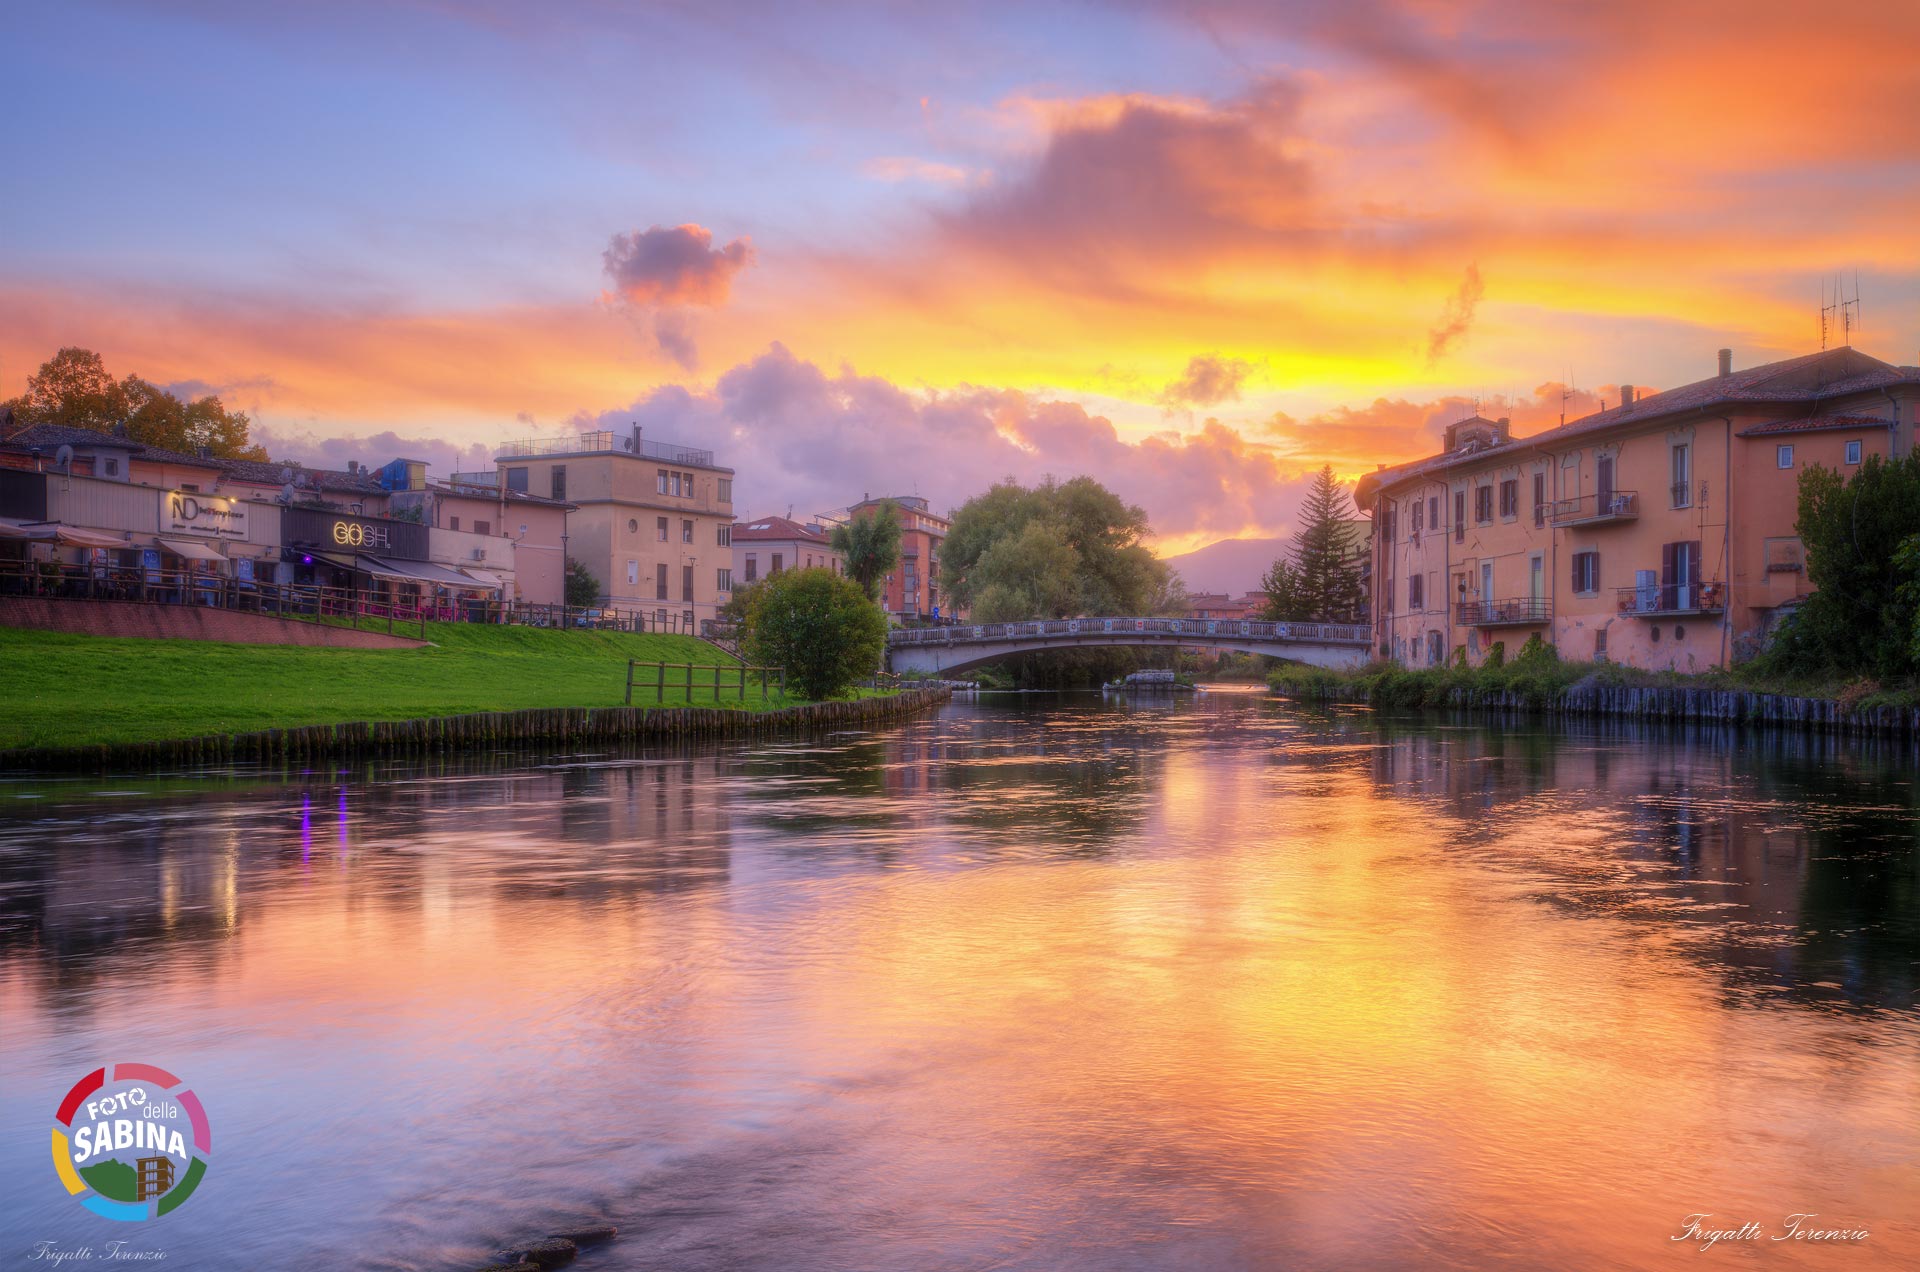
(768, 545)
(154, 1176)
(1218, 605)
(912, 591)
(652, 521)
(1657, 533)
(516, 540)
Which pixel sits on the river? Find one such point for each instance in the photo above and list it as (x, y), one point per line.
(1033, 983)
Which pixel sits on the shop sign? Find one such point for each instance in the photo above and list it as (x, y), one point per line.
(359, 534)
(191, 513)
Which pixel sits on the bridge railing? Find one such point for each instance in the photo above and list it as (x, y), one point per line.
(1196, 628)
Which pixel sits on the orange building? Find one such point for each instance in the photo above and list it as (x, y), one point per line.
(1658, 533)
(912, 591)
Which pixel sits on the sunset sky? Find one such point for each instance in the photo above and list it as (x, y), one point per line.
(1191, 249)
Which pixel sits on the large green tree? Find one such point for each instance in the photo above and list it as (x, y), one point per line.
(1055, 550)
(820, 626)
(74, 388)
(1323, 578)
(1861, 619)
(871, 544)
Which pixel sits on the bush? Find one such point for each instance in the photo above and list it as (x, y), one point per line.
(582, 590)
(819, 626)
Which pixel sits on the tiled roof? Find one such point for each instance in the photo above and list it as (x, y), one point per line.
(268, 474)
(1813, 377)
(775, 529)
(1816, 424)
(55, 435)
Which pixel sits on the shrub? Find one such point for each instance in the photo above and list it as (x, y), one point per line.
(581, 588)
(819, 626)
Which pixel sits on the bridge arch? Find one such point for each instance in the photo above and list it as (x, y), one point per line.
(949, 649)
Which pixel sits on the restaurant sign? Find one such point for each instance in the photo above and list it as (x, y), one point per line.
(191, 513)
(328, 531)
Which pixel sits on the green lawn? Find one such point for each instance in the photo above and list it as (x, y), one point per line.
(58, 689)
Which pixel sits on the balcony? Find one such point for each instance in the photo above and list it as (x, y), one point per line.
(1596, 510)
(1521, 611)
(603, 440)
(1672, 600)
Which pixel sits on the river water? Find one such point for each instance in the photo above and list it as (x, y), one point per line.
(1034, 983)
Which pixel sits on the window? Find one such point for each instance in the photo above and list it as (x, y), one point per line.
(1483, 504)
(723, 579)
(1433, 511)
(673, 484)
(517, 480)
(1510, 497)
(753, 567)
(1392, 514)
(113, 468)
(660, 478)
(686, 484)
(633, 525)
(1853, 452)
(660, 529)
(483, 527)
(725, 536)
(1586, 571)
(559, 481)
(726, 490)
(686, 531)
(1783, 457)
(778, 560)
(1600, 644)
(1459, 515)
(1416, 592)
(1682, 475)
(453, 523)
(660, 581)
(1417, 510)
(633, 573)
(1539, 499)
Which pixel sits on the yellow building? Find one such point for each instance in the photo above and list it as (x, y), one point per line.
(653, 520)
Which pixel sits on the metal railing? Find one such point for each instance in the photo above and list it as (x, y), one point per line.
(1517, 610)
(1616, 505)
(606, 441)
(691, 685)
(1198, 628)
(1673, 598)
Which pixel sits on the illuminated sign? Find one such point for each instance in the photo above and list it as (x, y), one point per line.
(192, 513)
(354, 534)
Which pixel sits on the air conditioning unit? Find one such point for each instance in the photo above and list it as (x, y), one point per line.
(479, 554)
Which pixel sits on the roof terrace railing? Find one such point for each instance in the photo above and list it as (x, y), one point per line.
(608, 441)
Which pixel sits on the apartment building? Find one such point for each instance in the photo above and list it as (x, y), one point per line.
(1657, 533)
(767, 545)
(652, 520)
(912, 591)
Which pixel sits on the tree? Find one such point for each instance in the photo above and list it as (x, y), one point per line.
(74, 389)
(871, 544)
(822, 627)
(581, 589)
(1861, 619)
(1323, 580)
(1055, 550)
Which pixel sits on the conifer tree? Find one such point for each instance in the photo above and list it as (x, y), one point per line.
(1322, 579)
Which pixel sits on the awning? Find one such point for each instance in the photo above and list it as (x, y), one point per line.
(190, 549)
(53, 531)
(13, 530)
(413, 571)
(485, 578)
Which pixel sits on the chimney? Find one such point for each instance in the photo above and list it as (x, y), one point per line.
(1626, 395)
(353, 466)
(1726, 363)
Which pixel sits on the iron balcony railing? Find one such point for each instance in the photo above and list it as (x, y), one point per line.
(1682, 493)
(1514, 612)
(1597, 509)
(1199, 628)
(1663, 599)
(605, 440)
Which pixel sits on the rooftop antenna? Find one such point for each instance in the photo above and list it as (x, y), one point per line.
(1566, 391)
(1850, 312)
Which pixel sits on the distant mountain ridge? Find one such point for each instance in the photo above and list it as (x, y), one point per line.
(1233, 566)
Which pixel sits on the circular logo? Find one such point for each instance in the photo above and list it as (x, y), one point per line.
(131, 1141)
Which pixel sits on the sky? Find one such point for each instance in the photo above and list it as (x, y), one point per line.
(1194, 250)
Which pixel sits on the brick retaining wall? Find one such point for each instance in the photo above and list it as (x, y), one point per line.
(184, 622)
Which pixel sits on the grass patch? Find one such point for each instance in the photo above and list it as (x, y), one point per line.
(61, 689)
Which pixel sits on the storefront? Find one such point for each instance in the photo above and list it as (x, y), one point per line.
(375, 564)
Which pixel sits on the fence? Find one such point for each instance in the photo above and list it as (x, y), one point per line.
(1352, 633)
(691, 684)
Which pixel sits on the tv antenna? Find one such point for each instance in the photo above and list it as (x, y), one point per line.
(1841, 314)
(1567, 393)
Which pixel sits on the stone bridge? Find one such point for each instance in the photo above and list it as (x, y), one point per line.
(947, 649)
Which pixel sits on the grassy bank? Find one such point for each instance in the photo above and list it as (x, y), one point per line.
(60, 689)
(1538, 677)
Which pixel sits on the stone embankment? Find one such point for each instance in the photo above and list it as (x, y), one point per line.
(567, 726)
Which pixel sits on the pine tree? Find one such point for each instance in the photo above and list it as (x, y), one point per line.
(1323, 579)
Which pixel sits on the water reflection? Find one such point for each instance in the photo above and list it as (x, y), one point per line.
(1055, 984)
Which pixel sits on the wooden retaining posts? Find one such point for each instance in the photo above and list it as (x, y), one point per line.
(1680, 705)
(563, 725)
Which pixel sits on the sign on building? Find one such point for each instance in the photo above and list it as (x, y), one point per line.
(191, 513)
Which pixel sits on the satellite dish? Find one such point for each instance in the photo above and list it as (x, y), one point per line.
(286, 493)
(63, 459)
(286, 474)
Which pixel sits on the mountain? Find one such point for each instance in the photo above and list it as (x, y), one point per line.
(1232, 566)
